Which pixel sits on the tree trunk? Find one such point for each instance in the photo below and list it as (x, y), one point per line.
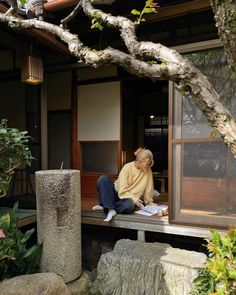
(225, 17)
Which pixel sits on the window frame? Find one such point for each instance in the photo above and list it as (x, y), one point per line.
(175, 214)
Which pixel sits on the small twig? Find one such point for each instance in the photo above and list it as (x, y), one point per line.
(62, 163)
(10, 11)
(72, 15)
(13, 8)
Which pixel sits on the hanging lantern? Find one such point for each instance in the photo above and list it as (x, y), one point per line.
(32, 70)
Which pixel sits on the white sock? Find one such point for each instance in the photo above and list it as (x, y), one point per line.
(97, 208)
(110, 215)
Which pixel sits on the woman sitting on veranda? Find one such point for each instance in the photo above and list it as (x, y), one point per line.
(133, 186)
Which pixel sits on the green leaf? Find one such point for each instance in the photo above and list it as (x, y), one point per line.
(33, 256)
(15, 257)
(216, 238)
(3, 130)
(219, 272)
(148, 10)
(13, 211)
(149, 3)
(135, 12)
(226, 241)
(27, 235)
(232, 273)
(14, 153)
(5, 222)
(23, 1)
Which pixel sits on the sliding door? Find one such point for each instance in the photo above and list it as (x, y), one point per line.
(98, 133)
(203, 170)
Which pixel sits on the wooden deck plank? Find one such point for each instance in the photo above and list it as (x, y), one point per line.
(139, 222)
(144, 223)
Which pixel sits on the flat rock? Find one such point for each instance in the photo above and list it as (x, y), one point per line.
(80, 286)
(35, 284)
(138, 268)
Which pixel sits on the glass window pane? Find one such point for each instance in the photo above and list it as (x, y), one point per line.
(100, 157)
(204, 181)
(189, 121)
(205, 159)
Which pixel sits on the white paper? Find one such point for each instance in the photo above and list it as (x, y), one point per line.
(150, 210)
(142, 212)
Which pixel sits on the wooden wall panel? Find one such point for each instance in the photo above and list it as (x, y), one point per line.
(203, 193)
(88, 183)
(232, 194)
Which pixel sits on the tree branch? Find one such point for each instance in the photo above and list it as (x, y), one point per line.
(187, 76)
(13, 8)
(172, 66)
(71, 16)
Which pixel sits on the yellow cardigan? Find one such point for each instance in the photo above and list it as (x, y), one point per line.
(135, 183)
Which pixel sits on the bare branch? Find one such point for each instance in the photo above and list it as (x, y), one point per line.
(71, 16)
(13, 8)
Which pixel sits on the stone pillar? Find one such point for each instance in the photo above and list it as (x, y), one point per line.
(59, 222)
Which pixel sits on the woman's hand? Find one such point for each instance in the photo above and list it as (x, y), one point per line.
(139, 203)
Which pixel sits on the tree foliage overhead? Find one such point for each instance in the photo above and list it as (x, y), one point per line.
(148, 59)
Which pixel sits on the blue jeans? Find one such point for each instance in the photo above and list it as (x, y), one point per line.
(109, 199)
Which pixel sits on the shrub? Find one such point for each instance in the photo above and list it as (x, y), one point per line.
(15, 257)
(218, 277)
(13, 153)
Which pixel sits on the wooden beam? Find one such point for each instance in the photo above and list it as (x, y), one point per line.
(59, 4)
(8, 40)
(163, 12)
(45, 38)
(167, 12)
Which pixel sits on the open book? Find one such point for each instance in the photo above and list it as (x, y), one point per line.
(150, 210)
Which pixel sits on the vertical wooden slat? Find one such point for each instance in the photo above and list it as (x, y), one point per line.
(44, 127)
(120, 144)
(170, 172)
(74, 120)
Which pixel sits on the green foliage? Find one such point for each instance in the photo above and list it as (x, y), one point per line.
(15, 257)
(13, 153)
(97, 23)
(150, 7)
(218, 277)
(23, 2)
